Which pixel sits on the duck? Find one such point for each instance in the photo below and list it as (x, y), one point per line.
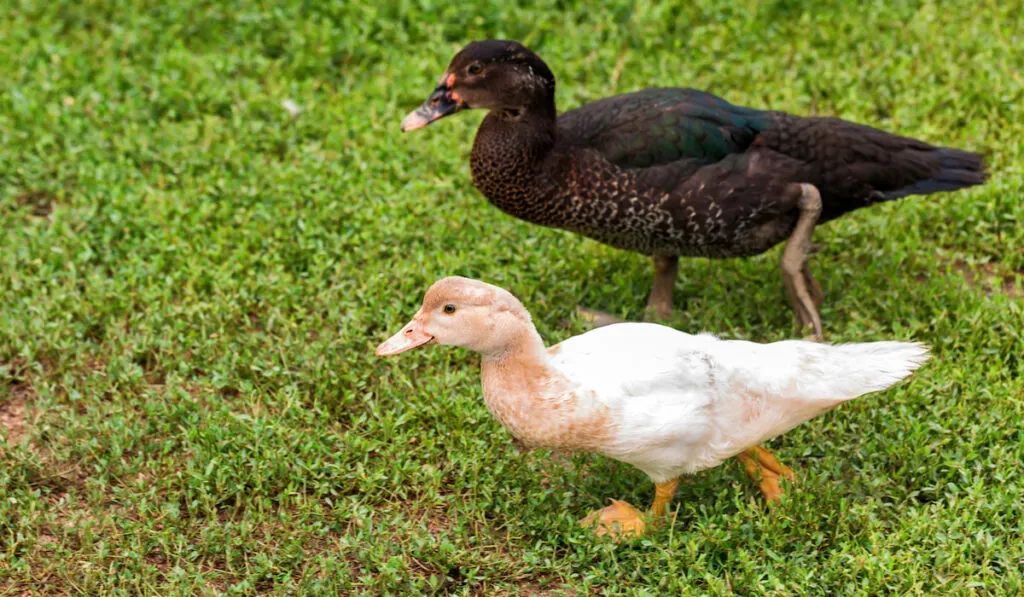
(676, 172)
(664, 401)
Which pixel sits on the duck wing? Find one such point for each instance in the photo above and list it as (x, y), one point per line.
(628, 361)
(743, 393)
(661, 125)
(764, 390)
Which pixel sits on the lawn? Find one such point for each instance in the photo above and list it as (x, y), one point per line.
(193, 279)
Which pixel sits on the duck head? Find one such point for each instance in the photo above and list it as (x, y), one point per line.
(491, 75)
(463, 312)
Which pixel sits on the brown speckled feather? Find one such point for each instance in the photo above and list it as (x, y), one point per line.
(669, 171)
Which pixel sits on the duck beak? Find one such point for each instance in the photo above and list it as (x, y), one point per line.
(442, 102)
(411, 336)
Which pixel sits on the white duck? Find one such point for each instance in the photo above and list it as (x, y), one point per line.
(667, 402)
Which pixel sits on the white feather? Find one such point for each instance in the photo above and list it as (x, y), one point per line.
(685, 403)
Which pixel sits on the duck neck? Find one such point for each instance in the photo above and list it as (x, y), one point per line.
(509, 148)
(525, 351)
(537, 403)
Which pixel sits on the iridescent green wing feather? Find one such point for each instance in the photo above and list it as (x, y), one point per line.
(662, 125)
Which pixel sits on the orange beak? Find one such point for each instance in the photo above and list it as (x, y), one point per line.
(411, 336)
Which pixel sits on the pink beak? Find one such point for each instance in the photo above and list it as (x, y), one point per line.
(411, 336)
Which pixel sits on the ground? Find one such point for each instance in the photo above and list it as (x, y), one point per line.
(209, 218)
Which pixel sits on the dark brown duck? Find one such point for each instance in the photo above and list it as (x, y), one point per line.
(672, 172)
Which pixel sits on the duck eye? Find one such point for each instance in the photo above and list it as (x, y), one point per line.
(475, 68)
(449, 309)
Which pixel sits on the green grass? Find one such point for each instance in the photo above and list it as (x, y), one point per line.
(192, 284)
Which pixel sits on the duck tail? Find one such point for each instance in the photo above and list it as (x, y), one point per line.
(809, 379)
(855, 166)
(957, 169)
(857, 369)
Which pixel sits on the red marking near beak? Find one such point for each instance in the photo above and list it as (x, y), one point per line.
(450, 82)
(455, 97)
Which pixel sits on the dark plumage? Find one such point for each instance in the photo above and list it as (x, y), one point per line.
(672, 172)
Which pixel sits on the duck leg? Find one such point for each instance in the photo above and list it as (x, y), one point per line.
(622, 521)
(765, 469)
(659, 305)
(795, 273)
(817, 296)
